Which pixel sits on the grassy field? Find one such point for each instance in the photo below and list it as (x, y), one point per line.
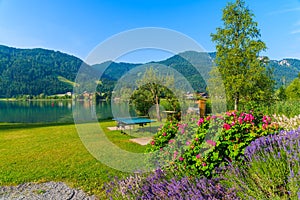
(40, 153)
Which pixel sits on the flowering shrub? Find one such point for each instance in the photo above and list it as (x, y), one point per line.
(288, 123)
(164, 135)
(202, 145)
(158, 186)
(271, 168)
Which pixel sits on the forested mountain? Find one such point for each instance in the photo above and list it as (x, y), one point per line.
(36, 71)
(285, 71)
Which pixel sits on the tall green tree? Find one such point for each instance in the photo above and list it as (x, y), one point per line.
(151, 88)
(238, 48)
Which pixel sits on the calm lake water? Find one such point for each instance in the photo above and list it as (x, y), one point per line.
(55, 111)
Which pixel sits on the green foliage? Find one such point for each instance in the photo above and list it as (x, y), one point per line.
(199, 147)
(238, 46)
(289, 108)
(165, 133)
(293, 90)
(151, 88)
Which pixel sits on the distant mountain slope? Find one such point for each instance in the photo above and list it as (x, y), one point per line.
(285, 71)
(36, 71)
(184, 63)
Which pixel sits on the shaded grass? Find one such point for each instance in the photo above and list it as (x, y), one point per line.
(54, 152)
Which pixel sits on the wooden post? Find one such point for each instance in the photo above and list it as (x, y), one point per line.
(202, 106)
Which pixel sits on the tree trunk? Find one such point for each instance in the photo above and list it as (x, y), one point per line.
(236, 101)
(157, 108)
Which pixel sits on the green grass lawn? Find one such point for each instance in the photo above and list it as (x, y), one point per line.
(41, 152)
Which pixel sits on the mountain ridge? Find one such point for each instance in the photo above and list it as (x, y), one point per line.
(35, 71)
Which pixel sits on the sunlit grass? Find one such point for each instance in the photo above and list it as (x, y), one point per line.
(40, 152)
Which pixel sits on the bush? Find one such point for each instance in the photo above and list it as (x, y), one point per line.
(271, 168)
(289, 108)
(200, 146)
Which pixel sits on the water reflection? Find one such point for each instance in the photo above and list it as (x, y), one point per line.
(54, 111)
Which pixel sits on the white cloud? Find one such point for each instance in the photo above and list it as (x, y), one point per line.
(297, 23)
(295, 31)
(285, 11)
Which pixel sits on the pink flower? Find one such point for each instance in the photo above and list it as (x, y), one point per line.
(204, 164)
(181, 158)
(200, 121)
(164, 134)
(188, 143)
(208, 118)
(214, 117)
(240, 120)
(152, 142)
(233, 123)
(264, 126)
(171, 141)
(196, 139)
(226, 126)
(266, 119)
(175, 154)
(213, 143)
(198, 156)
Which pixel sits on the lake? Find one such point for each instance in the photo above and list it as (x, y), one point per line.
(55, 111)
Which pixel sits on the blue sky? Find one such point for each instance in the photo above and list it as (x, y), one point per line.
(77, 26)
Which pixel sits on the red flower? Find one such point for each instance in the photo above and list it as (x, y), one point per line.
(226, 126)
(152, 142)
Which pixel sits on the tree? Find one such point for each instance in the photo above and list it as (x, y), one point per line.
(151, 87)
(238, 47)
(293, 90)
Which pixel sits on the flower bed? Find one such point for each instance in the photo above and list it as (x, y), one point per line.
(199, 146)
(271, 168)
